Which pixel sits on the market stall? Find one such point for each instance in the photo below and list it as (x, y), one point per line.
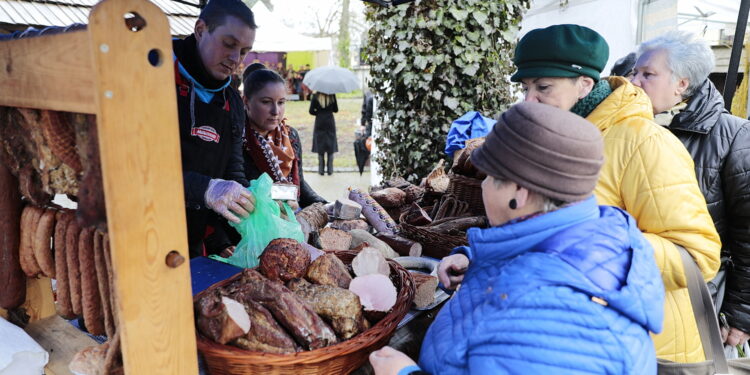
(77, 125)
(90, 81)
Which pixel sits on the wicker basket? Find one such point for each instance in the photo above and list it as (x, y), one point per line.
(436, 245)
(469, 190)
(342, 358)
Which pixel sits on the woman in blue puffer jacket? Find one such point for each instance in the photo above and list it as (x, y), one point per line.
(557, 284)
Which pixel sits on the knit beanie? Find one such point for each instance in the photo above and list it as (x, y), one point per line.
(544, 149)
(560, 51)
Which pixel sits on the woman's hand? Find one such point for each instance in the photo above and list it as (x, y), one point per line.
(389, 361)
(451, 270)
(228, 252)
(733, 336)
(293, 204)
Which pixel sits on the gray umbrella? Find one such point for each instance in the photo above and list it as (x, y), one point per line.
(331, 80)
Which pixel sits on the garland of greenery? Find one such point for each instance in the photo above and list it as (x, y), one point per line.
(431, 61)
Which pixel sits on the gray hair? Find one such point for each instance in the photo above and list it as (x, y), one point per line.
(548, 204)
(687, 56)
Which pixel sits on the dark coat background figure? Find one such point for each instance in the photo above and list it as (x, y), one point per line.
(720, 146)
(324, 132)
(366, 117)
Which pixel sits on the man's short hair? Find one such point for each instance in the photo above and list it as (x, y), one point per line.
(214, 14)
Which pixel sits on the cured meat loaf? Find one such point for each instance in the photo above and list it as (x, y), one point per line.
(64, 306)
(389, 197)
(220, 318)
(284, 259)
(328, 269)
(265, 335)
(41, 242)
(290, 311)
(337, 305)
(90, 300)
(12, 277)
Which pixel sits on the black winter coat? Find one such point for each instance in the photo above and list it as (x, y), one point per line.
(215, 153)
(324, 132)
(720, 146)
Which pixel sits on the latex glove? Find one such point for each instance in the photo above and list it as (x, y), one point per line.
(451, 270)
(733, 336)
(229, 199)
(389, 361)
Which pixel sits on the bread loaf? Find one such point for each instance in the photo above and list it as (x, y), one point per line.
(334, 239)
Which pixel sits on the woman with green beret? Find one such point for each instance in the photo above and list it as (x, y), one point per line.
(647, 171)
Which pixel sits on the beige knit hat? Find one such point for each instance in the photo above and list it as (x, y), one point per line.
(547, 150)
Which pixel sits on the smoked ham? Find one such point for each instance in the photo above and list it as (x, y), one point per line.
(328, 269)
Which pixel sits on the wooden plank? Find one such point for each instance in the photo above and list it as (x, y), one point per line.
(48, 72)
(61, 340)
(142, 172)
(40, 302)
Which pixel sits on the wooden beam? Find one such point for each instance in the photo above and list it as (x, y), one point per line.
(41, 73)
(61, 340)
(142, 174)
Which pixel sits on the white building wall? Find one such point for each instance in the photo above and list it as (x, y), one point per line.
(615, 20)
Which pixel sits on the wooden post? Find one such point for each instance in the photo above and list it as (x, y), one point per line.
(140, 153)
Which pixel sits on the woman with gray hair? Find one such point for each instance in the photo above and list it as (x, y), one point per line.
(673, 70)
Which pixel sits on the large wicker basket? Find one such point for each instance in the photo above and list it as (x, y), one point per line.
(436, 245)
(469, 190)
(342, 358)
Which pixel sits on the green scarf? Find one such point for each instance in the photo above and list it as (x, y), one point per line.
(586, 105)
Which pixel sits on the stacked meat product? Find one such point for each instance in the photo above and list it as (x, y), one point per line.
(292, 301)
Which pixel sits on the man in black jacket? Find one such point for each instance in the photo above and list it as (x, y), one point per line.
(211, 116)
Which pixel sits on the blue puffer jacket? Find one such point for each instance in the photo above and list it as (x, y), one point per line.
(528, 302)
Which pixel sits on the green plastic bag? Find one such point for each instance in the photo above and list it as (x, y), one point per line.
(263, 225)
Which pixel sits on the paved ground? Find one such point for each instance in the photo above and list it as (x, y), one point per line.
(335, 186)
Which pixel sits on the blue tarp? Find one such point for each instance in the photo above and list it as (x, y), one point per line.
(470, 125)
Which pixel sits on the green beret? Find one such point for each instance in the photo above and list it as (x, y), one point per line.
(560, 51)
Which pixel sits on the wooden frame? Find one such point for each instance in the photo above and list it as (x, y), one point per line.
(106, 70)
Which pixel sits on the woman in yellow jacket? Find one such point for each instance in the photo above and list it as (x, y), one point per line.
(647, 171)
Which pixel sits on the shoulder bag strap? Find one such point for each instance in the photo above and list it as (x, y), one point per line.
(705, 316)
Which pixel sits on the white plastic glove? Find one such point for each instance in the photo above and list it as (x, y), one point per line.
(229, 199)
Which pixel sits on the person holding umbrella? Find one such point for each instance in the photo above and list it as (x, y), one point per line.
(326, 82)
(323, 106)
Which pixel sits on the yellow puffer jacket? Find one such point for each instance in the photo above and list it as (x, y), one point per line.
(648, 173)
